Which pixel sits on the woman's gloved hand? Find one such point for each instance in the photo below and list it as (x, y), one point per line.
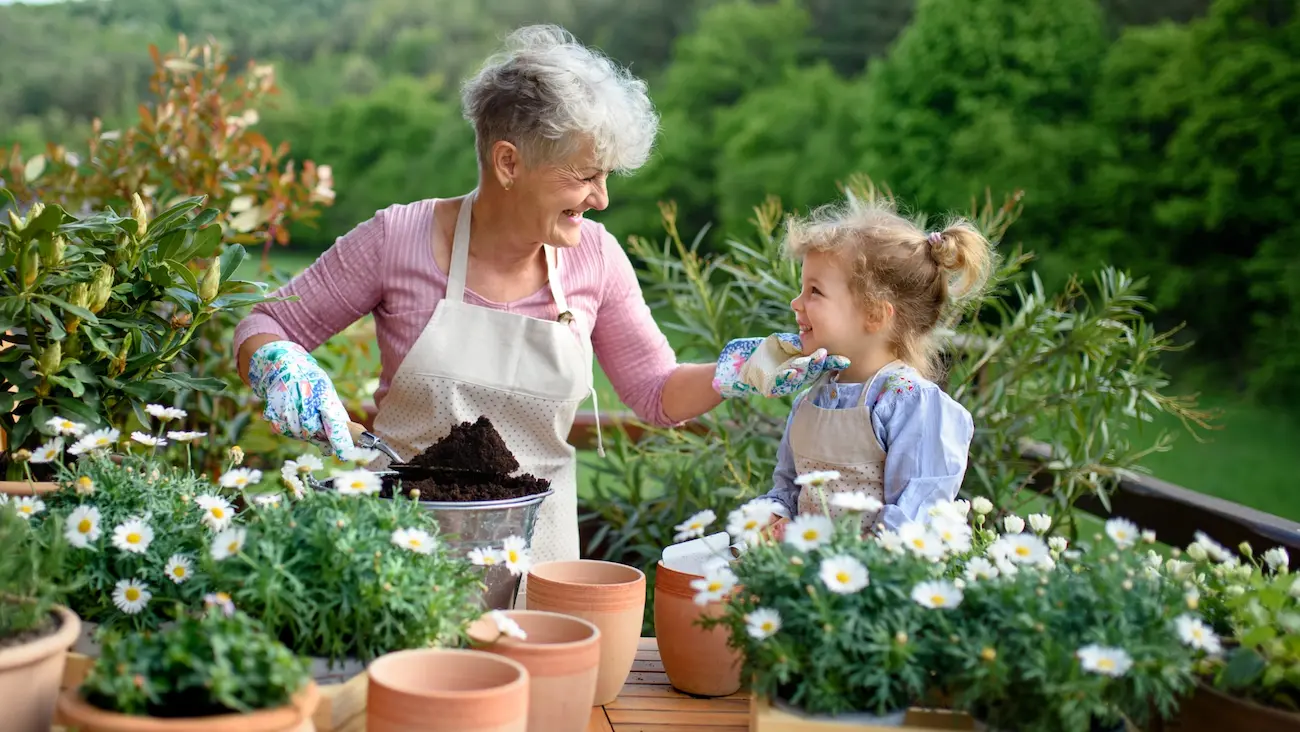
(299, 396)
(773, 366)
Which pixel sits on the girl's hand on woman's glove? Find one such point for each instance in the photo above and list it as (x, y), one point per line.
(773, 366)
(299, 396)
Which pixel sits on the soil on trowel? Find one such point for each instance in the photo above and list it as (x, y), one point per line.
(479, 487)
(470, 446)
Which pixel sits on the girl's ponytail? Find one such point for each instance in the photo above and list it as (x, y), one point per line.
(964, 256)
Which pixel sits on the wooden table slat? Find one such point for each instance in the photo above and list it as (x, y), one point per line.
(599, 721)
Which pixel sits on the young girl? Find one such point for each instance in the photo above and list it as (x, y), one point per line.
(875, 288)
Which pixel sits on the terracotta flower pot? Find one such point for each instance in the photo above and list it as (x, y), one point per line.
(562, 655)
(1210, 709)
(30, 675)
(609, 596)
(440, 690)
(295, 717)
(27, 488)
(696, 660)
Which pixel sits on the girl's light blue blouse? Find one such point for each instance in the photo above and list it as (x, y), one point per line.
(925, 432)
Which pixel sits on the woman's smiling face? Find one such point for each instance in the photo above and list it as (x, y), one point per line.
(551, 200)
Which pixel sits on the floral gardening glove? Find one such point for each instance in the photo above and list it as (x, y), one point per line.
(772, 366)
(299, 396)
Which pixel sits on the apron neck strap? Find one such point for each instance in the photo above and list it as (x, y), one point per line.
(862, 400)
(553, 278)
(460, 250)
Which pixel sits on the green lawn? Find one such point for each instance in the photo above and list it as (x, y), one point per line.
(1251, 460)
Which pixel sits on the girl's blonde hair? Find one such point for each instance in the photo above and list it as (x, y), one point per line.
(925, 276)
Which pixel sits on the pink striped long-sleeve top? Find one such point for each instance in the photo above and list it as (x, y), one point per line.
(385, 266)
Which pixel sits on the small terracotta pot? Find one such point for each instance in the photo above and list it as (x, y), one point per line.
(295, 717)
(30, 675)
(441, 690)
(696, 660)
(562, 655)
(27, 488)
(609, 596)
(1210, 709)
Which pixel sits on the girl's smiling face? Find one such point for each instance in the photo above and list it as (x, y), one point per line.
(828, 314)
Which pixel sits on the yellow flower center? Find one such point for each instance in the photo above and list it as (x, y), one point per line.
(218, 512)
(25, 509)
(83, 482)
(810, 535)
(358, 485)
(714, 586)
(223, 597)
(936, 600)
(751, 524)
(842, 577)
(489, 560)
(233, 547)
(133, 538)
(85, 525)
(65, 425)
(767, 626)
(131, 594)
(1197, 633)
(919, 543)
(1022, 551)
(1105, 664)
(241, 481)
(512, 556)
(1121, 535)
(414, 542)
(179, 570)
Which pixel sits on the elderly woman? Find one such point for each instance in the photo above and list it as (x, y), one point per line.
(494, 303)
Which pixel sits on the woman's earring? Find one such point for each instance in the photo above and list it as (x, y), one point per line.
(508, 184)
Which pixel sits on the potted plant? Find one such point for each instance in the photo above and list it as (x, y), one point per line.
(1053, 638)
(218, 670)
(35, 631)
(833, 624)
(1253, 604)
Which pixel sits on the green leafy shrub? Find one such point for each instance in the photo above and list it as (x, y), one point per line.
(29, 576)
(221, 662)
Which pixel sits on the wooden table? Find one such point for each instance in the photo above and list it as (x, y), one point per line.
(648, 703)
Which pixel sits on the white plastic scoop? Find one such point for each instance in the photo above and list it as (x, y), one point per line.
(692, 557)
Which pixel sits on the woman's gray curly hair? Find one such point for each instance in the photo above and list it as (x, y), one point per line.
(550, 95)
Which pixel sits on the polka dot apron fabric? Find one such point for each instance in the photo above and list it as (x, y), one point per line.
(843, 440)
(526, 375)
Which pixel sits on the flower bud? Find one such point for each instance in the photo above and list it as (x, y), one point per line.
(22, 456)
(16, 223)
(981, 505)
(1197, 553)
(101, 288)
(29, 263)
(141, 215)
(211, 282)
(52, 250)
(37, 209)
(1244, 548)
(80, 295)
(51, 357)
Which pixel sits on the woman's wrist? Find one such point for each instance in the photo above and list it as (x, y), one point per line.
(689, 392)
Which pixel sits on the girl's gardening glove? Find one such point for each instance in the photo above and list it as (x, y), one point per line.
(773, 366)
(299, 396)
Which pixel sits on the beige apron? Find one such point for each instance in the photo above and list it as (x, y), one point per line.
(527, 375)
(843, 440)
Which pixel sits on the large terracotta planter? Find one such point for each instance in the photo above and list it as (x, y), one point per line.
(295, 717)
(609, 596)
(696, 660)
(440, 690)
(30, 675)
(562, 655)
(1209, 709)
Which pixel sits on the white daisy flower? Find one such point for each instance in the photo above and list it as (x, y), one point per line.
(955, 534)
(506, 625)
(307, 463)
(1122, 531)
(890, 541)
(217, 512)
(84, 486)
(65, 427)
(485, 557)
(843, 574)
(268, 500)
(415, 540)
(1040, 522)
(47, 453)
(164, 414)
(295, 485)
(714, 585)
(83, 526)
(1178, 569)
(131, 595)
(1020, 549)
(921, 541)
(979, 568)
(356, 482)
(1013, 524)
(954, 510)
(514, 554)
(186, 436)
(1106, 661)
(747, 522)
(938, 594)
(1197, 634)
(1277, 558)
(1057, 544)
(132, 535)
(240, 478)
(145, 438)
(694, 526)
(97, 440)
(856, 502)
(27, 506)
(179, 568)
(1213, 549)
(360, 455)
(762, 623)
(1148, 536)
(809, 531)
(982, 506)
(228, 543)
(817, 477)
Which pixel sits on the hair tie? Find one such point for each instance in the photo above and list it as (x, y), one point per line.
(934, 237)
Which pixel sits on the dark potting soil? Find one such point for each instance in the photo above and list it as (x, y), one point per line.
(46, 627)
(475, 486)
(470, 446)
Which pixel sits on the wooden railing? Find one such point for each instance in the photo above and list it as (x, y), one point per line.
(1173, 512)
